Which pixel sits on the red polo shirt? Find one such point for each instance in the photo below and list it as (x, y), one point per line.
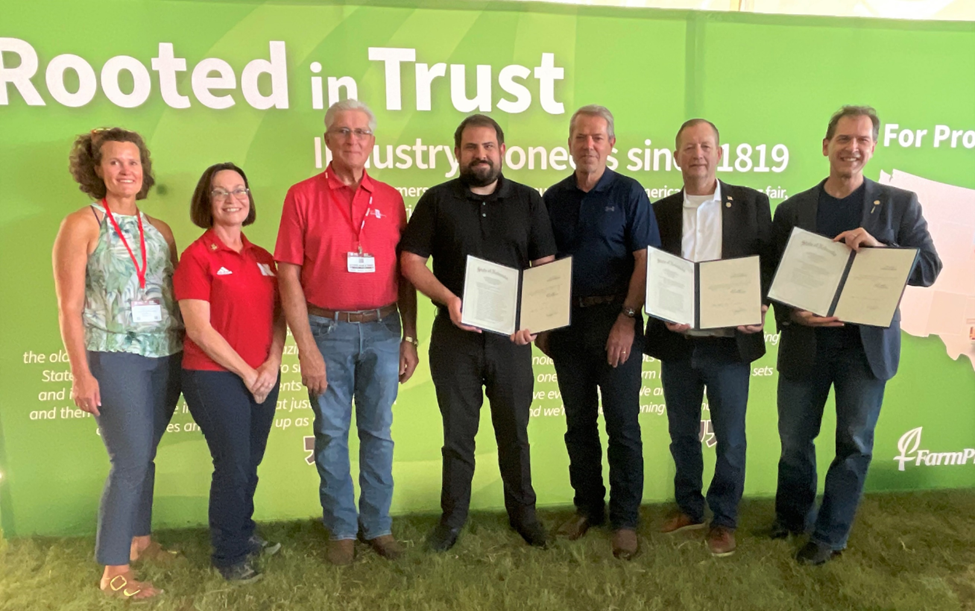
(242, 288)
(320, 226)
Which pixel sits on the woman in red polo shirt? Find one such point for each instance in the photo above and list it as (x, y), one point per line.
(235, 330)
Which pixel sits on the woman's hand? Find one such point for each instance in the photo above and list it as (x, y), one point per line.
(86, 393)
(266, 378)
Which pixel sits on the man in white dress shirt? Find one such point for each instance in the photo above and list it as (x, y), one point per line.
(709, 220)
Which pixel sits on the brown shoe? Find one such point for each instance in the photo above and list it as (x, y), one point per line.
(677, 521)
(574, 527)
(386, 546)
(721, 541)
(340, 552)
(625, 544)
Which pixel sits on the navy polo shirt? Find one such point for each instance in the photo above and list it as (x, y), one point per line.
(601, 229)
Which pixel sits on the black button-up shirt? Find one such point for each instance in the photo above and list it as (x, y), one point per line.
(509, 227)
(601, 229)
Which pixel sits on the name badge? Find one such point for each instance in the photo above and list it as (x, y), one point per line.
(361, 263)
(146, 311)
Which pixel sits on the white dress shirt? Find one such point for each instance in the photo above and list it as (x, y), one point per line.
(701, 236)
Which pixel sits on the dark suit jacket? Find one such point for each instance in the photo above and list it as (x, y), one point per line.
(891, 215)
(746, 230)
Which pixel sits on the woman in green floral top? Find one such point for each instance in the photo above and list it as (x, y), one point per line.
(113, 271)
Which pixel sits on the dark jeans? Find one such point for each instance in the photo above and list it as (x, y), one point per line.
(236, 429)
(801, 402)
(579, 354)
(461, 362)
(715, 365)
(139, 395)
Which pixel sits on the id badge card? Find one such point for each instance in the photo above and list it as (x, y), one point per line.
(146, 311)
(361, 263)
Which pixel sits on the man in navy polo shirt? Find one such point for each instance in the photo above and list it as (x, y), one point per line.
(605, 221)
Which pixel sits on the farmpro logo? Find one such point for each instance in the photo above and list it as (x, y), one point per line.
(911, 453)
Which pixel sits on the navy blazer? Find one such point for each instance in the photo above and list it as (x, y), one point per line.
(893, 217)
(746, 230)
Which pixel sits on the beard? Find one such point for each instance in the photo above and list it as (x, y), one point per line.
(480, 173)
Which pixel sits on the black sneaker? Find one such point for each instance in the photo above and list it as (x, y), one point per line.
(260, 547)
(781, 531)
(241, 573)
(815, 553)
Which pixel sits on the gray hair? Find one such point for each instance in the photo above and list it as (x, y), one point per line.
(595, 110)
(347, 105)
(692, 123)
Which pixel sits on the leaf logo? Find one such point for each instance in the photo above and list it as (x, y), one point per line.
(907, 446)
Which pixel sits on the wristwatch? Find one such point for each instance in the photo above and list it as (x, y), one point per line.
(629, 312)
(412, 340)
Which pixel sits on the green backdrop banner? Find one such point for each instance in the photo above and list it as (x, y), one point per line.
(248, 81)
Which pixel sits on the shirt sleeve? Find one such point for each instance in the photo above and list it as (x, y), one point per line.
(192, 279)
(541, 239)
(290, 247)
(642, 230)
(421, 230)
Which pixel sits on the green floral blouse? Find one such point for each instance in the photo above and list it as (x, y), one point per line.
(112, 284)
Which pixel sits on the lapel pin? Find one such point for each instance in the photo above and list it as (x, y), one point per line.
(727, 205)
(730, 198)
(213, 246)
(876, 203)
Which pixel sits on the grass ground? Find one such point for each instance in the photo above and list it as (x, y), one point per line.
(913, 551)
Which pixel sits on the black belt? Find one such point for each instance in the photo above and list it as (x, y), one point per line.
(586, 302)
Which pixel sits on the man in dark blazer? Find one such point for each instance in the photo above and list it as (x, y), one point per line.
(709, 220)
(817, 352)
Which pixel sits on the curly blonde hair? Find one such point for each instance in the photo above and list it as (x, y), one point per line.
(86, 155)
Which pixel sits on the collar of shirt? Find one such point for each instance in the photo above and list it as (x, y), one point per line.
(501, 190)
(334, 183)
(214, 243)
(715, 197)
(605, 182)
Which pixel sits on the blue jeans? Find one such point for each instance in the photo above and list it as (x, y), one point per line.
(361, 364)
(714, 364)
(139, 395)
(801, 402)
(236, 430)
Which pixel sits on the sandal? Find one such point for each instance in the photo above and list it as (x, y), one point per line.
(157, 554)
(125, 586)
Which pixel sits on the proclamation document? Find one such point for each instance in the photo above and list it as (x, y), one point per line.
(730, 293)
(490, 297)
(874, 285)
(546, 296)
(810, 272)
(670, 288)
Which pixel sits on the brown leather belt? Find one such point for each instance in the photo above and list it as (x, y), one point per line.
(585, 302)
(358, 316)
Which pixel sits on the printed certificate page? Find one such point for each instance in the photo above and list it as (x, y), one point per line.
(810, 272)
(490, 296)
(874, 285)
(670, 287)
(730, 293)
(546, 296)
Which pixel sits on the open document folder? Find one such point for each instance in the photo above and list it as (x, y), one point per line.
(502, 299)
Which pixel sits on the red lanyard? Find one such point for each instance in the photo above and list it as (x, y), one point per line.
(141, 273)
(358, 235)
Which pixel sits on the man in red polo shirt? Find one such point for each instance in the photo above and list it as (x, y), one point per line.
(340, 288)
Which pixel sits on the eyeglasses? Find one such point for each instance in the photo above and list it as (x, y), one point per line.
(220, 194)
(345, 132)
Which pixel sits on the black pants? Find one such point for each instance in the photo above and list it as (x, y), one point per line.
(236, 429)
(579, 354)
(461, 362)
